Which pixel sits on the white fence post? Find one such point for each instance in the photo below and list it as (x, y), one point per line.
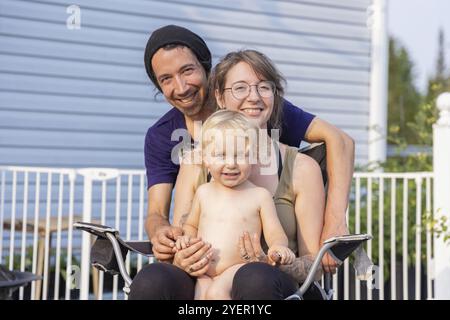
(379, 81)
(86, 237)
(90, 175)
(441, 167)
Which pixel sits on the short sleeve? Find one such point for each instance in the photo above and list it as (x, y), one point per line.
(158, 163)
(295, 123)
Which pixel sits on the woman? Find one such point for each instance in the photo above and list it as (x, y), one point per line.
(247, 82)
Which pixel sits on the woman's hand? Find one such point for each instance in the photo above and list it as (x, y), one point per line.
(250, 248)
(195, 258)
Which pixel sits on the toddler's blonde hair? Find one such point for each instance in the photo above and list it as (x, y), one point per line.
(227, 121)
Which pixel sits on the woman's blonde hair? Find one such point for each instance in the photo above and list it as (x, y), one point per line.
(264, 69)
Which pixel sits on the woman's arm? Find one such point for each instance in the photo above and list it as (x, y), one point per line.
(340, 164)
(309, 203)
(300, 125)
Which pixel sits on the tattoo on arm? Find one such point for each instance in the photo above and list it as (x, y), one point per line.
(300, 268)
(183, 219)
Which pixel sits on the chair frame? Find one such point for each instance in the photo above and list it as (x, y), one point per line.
(348, 242)
(116, 265)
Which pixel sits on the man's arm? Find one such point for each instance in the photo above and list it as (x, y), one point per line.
(157, 225)
(159, 198)
(340, 164)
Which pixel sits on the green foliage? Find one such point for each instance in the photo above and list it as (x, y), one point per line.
(17, 262)
(440, 82)
(403, 97)
(380, 212)
(410, 121)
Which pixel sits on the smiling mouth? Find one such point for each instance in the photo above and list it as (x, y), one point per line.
(252, 111)
(189, 99)
(228, 174)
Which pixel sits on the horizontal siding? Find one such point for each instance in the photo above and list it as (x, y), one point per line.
(319, 10)
(112, 50)
(22, 61)
(128, 91)
(196, 13)
(81, 97)
(75, 104)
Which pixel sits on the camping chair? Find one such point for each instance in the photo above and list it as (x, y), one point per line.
(11, 280)
(109, 251)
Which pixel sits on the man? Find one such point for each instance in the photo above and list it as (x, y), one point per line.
(178, 62)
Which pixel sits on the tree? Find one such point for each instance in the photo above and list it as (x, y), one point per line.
(427, 113)
(403, 97)
(440, 82)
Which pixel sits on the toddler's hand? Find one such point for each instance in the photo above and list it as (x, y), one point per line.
(182, 242)
(280, 255)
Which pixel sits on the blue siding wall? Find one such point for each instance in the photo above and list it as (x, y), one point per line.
(75, 98)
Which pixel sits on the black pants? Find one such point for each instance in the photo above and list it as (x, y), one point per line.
(254, 281)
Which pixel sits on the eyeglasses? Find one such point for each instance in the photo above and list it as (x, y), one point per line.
(241, 90)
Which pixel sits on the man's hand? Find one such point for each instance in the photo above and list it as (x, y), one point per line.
(332, 229)
(164, 241)
(195, 258)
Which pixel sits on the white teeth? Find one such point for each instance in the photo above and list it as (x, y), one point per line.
(188, 99)
(252, 112)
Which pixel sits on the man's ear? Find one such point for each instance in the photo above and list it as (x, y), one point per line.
(218, 99)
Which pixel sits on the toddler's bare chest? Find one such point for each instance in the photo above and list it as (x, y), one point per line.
(227, 212)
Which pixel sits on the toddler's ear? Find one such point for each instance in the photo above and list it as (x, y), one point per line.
(206, 163)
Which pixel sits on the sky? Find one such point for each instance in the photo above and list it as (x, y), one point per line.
(416, 23)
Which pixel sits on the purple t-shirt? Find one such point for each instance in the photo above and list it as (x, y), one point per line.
(158, 144)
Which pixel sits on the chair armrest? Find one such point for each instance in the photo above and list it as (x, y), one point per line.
(340, 248)
(345, 245)
(140, 247)
(109, 251)
(95, 229)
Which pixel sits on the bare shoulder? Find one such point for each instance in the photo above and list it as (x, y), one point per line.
(304, 163)
(203, 190)
(261, 193)
(305, 169)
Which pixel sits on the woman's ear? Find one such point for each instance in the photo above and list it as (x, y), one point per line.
(218, 99)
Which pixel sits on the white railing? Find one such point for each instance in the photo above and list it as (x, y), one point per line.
(38, 207)
(411, 261)
(390, 206)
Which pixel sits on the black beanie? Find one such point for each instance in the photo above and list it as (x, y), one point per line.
(172, 34)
